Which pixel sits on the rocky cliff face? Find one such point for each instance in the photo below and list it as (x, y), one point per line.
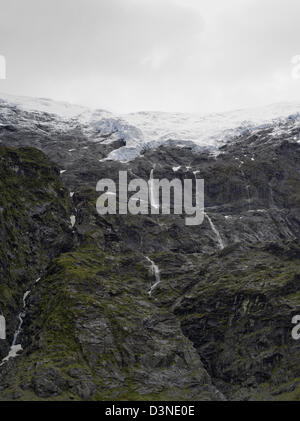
(34, 225)
(217, 325)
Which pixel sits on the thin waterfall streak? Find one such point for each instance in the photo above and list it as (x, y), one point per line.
(15, 347)
(216, 232)
(154, 270)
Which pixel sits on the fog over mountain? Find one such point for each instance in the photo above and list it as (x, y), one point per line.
(165, 55)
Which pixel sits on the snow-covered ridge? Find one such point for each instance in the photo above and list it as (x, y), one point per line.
(148, 129)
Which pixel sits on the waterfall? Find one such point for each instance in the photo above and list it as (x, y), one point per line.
(16, 348)
(151, 190)
(154, 270)
(24, 298)
(18, 331)
(13, 352)
(216, 232)
(212, 225)
(21, 318)
(73, 220)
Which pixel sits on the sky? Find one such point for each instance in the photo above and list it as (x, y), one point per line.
(167, 55)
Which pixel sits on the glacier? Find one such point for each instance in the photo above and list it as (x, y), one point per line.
(145, 130)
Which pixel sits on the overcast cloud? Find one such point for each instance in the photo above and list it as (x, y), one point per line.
(171, 55)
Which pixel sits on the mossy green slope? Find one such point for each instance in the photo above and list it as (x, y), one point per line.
(34, 225)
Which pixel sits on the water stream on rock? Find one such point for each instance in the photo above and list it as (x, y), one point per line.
(216, 232)
(154, 269)
(73, 220)
(15, 347)
(212, 225)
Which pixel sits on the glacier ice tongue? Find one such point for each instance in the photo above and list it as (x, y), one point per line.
(148, 129)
